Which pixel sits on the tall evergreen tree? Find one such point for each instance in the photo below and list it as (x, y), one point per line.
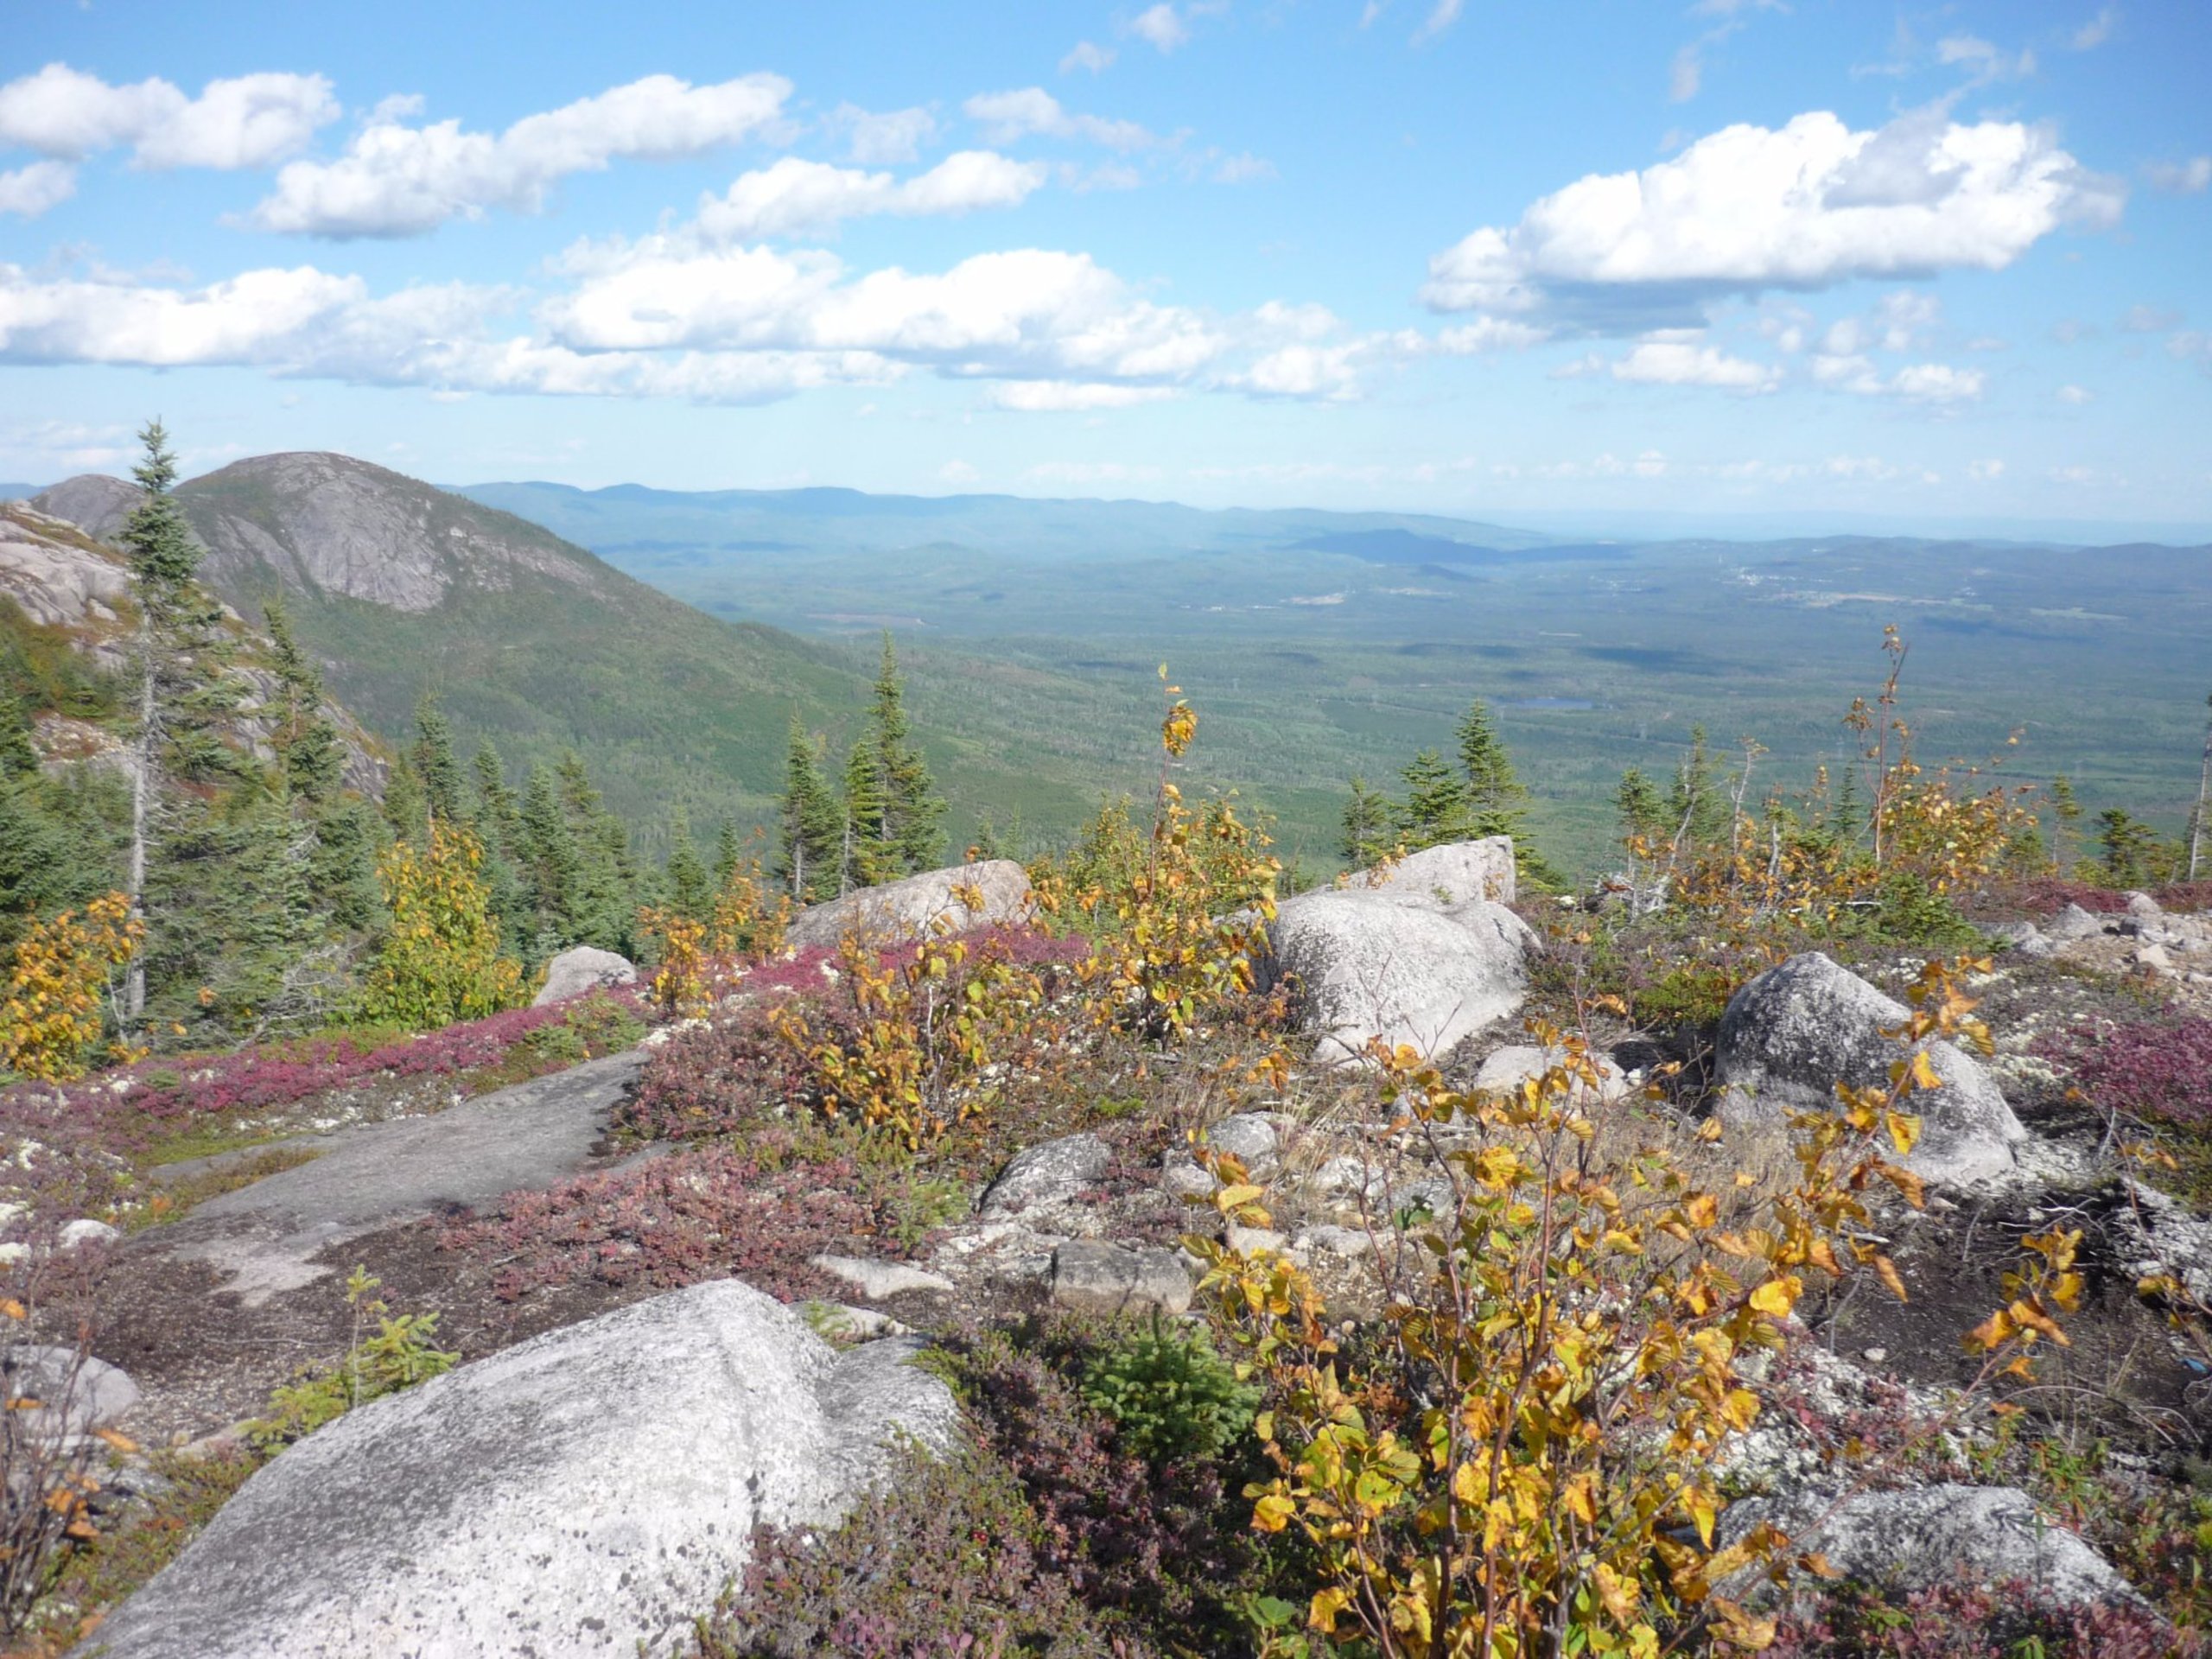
(1696, 800)
(2065, 813)
(1494, 793)
(601, 907)
(549, 861)
(911, 833)
(730, 853)
(1643, 814)
(312, 752)
(811, 828)
(690, 888)
(434, 763)
(18, 755)
(1437, 809)
(2128, 848)
(182, 692)
(867, 855)
(1370, 824)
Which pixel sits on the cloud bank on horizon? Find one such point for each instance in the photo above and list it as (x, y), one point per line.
(1416, 256)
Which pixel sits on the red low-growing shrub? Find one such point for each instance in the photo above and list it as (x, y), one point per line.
(1968, 1622)
(697, 1213)
(2186, 895)
(2047, 895)
(2144, 1070)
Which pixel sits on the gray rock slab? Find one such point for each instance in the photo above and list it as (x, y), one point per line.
(1049, 1173)
(906, 910)
(1092, 1277)
(877, 1280)
(71, 1398)
(1792, 1033)
(533, 1135)
(586, 1493)
(1926, 1535)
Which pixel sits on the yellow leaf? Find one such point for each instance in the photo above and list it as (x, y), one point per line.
(1886, 1271)
(1778, 1296)
(1905, 1129)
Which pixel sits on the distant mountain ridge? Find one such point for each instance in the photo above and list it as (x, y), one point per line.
(843, 520)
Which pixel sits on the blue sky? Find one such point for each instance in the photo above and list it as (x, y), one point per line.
(1733, 262)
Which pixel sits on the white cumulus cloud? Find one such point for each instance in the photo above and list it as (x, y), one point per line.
(1749, 209)
(1686, 363)
(1072, 396)
(876, 138)
(31, 190)
(1085, 55)
(1159, 26)
(246, 121)
(397, 180)
(795, 196)
(1031, 112)
(2186, 178)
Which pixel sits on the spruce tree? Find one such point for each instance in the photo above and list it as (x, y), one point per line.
(183, 694)
(1695, 801)
(601, 906)
(689, 887)
(406, 805)
(1643, 814)
(312, 752)
(730, 853)
(911, 836)
(1370, 824)
(18, 755)
(548, 861)
(1437, 809)
(867, 855)
(1494, 793)
(434, 763)
(2065, 813)
(809, 828)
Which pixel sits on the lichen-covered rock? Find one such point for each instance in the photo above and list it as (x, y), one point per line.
(908, 909)
(1384, 963)
(1092, 1276)
(1450, 874)
(583, 968)
(55, 1392)
(1250, 1138)
(1510, 1067)
(1797, 1030)
(586, 1493)
(1049, 1173)
(1912, 1540)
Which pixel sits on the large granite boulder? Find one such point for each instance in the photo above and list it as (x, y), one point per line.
(1393, 962)
(583, 968)
(1449, 874)
(1797, 1030)
(1931, 1535)
(908, 909)
(586, 1493)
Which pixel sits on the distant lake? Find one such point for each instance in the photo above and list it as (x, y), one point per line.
(1570, 703)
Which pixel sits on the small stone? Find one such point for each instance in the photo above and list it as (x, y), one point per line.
(1874, 1356)
(76, 1233)
(1250, 1138)
(1183, 1179)
(1347, 1178)
(1049, 1173)
(73, 1398)
(1094, 1277)
(2154, 957)
(1347, 1241)
(582, 968)
(2144, 906)
(1248, 1240)
(878, 1279)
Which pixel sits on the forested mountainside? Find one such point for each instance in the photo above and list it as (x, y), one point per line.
(535, 645)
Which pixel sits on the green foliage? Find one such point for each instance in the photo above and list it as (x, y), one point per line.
(1170, 1393)
(434, 760)
(439, 960)
(1642, 812)
(164, 555)
(402, 1352)
(810, 827)
(2130, 852)
(690, 889)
